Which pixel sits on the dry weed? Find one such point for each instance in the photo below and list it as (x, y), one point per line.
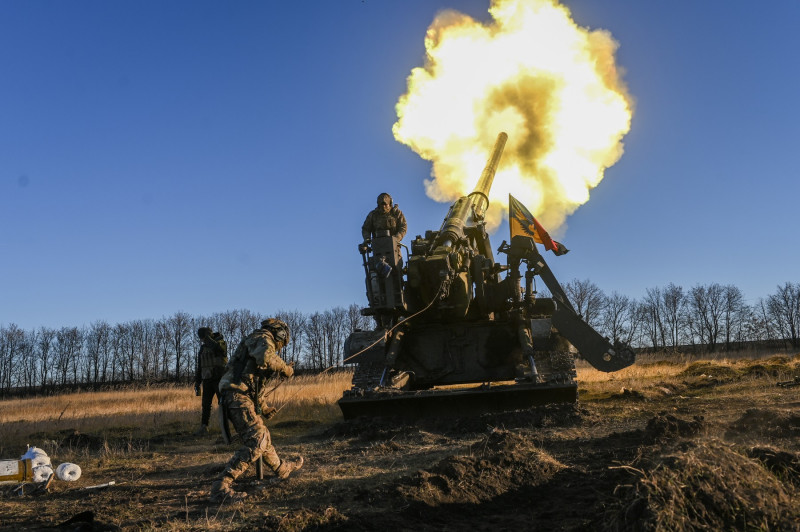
(709, 486)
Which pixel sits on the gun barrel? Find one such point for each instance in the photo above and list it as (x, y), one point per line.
(480, 201)
(475, 204)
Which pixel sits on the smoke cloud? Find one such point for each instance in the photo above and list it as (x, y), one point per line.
(532, 72)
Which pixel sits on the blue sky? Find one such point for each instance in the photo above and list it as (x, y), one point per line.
(205, 156)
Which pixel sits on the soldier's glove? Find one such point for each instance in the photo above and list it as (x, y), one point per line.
(197, 390)
(363, 247)
(268, 412)
(288, 371)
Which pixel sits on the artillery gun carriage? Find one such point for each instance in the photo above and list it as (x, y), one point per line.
(456, 331)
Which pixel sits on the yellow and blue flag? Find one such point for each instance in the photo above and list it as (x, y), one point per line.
(522, 222)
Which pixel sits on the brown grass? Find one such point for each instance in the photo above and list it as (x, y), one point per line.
(142, 413)
(639, 450)
(313, 398)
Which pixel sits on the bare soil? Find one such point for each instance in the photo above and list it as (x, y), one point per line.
(715, 448)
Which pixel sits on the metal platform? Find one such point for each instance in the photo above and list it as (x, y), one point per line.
(454, 402)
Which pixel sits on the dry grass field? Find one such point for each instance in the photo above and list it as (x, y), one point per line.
(667, 444)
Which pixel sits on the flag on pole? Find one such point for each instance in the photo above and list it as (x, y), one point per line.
(522, 222)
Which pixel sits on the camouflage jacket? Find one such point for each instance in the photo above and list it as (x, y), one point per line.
(257, 359)
(212, 358)
(377, 220)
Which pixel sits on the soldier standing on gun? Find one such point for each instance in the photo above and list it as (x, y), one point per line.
(211, 361)
(244, 399)
(385, 217)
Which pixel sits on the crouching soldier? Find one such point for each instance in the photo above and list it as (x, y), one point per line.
(243, 396)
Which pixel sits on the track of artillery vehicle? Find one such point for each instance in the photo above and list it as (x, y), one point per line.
(456, 331)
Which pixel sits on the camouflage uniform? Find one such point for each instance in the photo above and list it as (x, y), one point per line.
(377, 220)
(244, 399)
(380, 219)
(211, 361)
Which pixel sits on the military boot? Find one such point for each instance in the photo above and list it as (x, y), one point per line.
(287, 466)
(271, 458)
(202, 431)
(221, 490)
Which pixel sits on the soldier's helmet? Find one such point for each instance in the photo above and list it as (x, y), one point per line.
(202, 332)
(278, 328)
(385, 195)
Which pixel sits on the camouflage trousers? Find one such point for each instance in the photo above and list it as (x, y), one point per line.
(255, 436)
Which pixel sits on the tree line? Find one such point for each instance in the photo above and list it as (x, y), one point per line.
(150, 350)
(711, 317)
(708, 317)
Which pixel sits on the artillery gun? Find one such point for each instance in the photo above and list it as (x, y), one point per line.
(456, 331)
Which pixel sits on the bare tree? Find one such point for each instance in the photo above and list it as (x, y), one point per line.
(706, 303)
(616, 317)
(179, 329)
(229, 323)
(247, 323)
(335, 330)
(8, 354)
(128, 353)
(44, 347)
(97, 350)
(297, 327)
(784, 307)
(316, 347)
(164, 353)
(763, 321)
(734, 313)
(587, 298)
(356, 321)
(15, 357)
(673, 304)
(652, 319)
(142, 349)
(68, 345)
(119, 341)
(27, 358)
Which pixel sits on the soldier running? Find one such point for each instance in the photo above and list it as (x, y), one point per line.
(244, 399)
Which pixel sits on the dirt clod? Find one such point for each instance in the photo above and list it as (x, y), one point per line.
(666, 427)
(500, 462)
(766, 422)
(709, 486)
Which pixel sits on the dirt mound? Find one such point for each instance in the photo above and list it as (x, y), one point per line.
(708, 487)
(666, 427)
(777, 366)
(779, 359)
(501, 461)
(765, 422)
(785, 465)
(760, 370)
(709, 369)
(305, 519)
(704, 374)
